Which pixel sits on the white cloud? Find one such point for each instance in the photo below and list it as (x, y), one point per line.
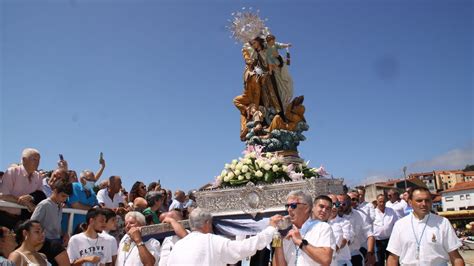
(451, 160)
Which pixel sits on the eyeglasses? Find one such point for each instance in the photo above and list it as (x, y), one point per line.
(293, 205)
(336, 204)
(354, 199)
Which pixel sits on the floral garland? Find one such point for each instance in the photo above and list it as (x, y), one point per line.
(263, 167)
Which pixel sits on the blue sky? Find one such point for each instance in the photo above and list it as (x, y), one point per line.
(387, 84)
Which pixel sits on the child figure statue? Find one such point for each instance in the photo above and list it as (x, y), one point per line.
(279, 69)
(273, 58)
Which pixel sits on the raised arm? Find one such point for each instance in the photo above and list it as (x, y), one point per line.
(101, 169)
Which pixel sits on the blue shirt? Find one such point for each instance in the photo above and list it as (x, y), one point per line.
(78, 195)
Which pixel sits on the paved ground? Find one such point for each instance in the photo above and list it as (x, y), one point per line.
(468, 256)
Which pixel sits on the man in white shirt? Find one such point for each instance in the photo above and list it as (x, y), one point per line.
(311, 241)
(365, 206)
(385, 219)
(362, 232)
(88, 247)
(397, 204)
(423, 238)
(178, 201)
(111, 197)
(201, 247)
(172, 218)
(341, 227)
(132, 250)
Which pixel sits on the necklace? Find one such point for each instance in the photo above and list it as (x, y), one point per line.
(96, 240)
(418, 241)
(127, 249)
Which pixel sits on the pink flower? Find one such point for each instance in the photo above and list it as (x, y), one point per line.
(296, 176)
(321, 171)
(217, 182)
(290, 168)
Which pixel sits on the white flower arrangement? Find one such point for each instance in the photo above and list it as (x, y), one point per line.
(263, 167)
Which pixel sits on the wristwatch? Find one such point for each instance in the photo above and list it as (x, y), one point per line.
(304, 242)
(140, 244)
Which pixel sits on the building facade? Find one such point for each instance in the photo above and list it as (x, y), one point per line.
(459, 197)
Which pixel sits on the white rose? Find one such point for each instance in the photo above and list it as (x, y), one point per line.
(227, 166)
(274, 160)
(267, 167)
(223, 173)
(259, 173)
(248, 176)
(232, 166)
(239, 166)
(226, 178)
(275, 168)
(237, 172)
(234, 162)
(245, 169)
(230, 175)
(284, 168)
(241, 177)
(252, 155)
(247, 161)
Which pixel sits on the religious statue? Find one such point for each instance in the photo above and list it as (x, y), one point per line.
(268, 89)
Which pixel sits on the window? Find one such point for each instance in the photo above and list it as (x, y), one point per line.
(468, 196)
(461, 197)
(450, 198)
(450, 209)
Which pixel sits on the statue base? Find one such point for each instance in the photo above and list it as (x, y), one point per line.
(254, 199)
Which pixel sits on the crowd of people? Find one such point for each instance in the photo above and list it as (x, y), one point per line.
(328, 230)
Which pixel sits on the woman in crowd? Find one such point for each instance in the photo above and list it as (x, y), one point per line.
(138, 190)
(7, 245)
(30, 236)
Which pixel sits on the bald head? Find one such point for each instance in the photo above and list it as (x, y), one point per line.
(176, 215)
(180, 196)
(140, 203)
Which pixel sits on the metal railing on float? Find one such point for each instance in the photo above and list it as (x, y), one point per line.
(70, 211)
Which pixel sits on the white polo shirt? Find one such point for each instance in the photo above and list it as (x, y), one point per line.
(320, 235)
(437, 241)
(128, 253)
(362, 230)
(368, 209)
(398, 207)
(341, 227)
(384, 222)
(103, 198)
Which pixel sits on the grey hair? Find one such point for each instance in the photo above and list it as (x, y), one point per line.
(198, 218)
(137, 215)
(304, 196)
(28, 152)
(152, 197)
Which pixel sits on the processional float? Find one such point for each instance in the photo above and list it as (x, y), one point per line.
(272, 123)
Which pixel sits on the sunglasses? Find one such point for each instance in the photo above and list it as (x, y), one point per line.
(293, 205)
(336, 204)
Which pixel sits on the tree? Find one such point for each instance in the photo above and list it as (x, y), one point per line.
(469, 167)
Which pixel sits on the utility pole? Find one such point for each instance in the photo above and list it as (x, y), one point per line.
(405, 175)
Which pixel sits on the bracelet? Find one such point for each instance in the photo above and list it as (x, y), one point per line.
(140, 244)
